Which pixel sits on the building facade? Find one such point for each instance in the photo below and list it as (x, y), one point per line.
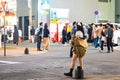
(31, 12)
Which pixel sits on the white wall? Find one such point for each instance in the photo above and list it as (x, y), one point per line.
(107, 11)
(23, 10)
(80, 10)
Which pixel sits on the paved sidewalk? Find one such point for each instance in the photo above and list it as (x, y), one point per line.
(13, 50)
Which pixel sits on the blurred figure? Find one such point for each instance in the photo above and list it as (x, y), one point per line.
(15, 35)
(69, 30)
(20, 35)
(39, 35)
(64, 35)
(32, 33)
(109, 36)
(10, 35)
(4, 34)
(90, 37)
(103, 38)
(95, 34)
(73, 33)
(46, 37)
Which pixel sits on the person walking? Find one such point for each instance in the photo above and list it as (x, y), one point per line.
(46, 37)
(109, 37)
(39, 34)
(80, 45)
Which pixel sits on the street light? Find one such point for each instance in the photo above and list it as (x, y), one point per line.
(3, 3)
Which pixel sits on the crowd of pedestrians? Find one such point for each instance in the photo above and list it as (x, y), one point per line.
(42, 33)
(10, 35)
(98, 34)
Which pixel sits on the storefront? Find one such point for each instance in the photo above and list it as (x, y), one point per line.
(58, 19)
(8, 15)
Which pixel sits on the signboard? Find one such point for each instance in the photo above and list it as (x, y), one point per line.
(96, 12)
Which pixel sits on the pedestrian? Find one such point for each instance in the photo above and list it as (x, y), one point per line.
(39, 35)
(80, 45)
(32, 33)
(95, 34)
(102, 38)
(15, 35)
(64, 35)
(10, 35)
(73, 33)
(20, 35)
(90, 30)
(46, 37)
(69, 30)
(109, 37)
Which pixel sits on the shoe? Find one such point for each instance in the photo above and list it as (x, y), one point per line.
(112, 49)
(68, 74)
(39, 50)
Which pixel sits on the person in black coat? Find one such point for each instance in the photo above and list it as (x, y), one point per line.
(64, 35)
(15, 35)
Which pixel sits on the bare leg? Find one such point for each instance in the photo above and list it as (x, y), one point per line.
(74, 58)
(81, 62)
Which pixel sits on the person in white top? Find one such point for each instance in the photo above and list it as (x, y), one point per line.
(20, 35)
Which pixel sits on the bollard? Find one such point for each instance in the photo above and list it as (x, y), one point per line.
(79, 73)
(26, 51)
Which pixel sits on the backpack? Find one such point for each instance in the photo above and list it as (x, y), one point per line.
(39, 32)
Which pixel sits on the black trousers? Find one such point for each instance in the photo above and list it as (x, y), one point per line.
(39, 42)
(71, 51)
(109, 44)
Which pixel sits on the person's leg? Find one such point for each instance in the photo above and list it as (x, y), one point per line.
(32, 37)
(47, 46)
(111, 44)
(81, 62)
(71, 51)
(108, 45)
(74, 58)
(38, 43)
(102, 44)
(95, 42)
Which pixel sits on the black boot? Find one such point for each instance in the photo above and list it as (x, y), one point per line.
(69, 73)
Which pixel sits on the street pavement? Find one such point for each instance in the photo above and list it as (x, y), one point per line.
(51, 64)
